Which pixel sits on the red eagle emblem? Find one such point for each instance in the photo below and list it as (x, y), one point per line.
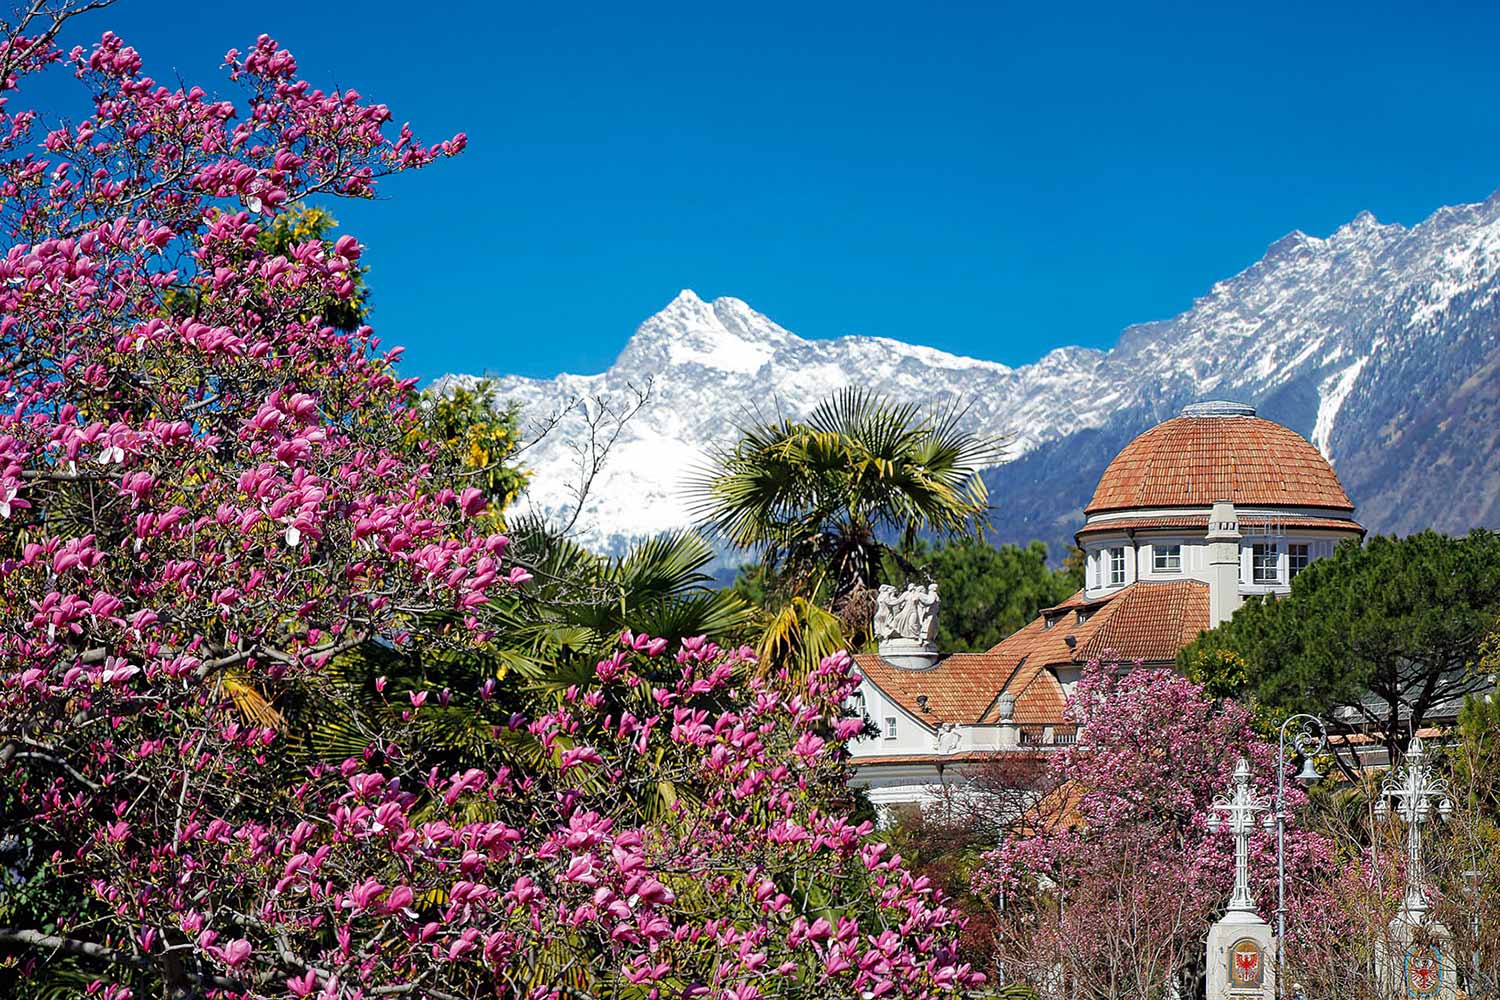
(1244, 964)
(1424, 972)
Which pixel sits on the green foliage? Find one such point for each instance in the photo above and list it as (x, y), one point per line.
(797, 637)
(757, 585)
(1476, 764)
(792, 631)
(475, 438)
(1222, 671)
(1465, 857)
(1390, 630)
(988, 592)
(295, 225)
(819, 497)
(578, 604)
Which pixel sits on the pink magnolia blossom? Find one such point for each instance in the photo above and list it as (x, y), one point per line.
(1131, 852)
(210, 494)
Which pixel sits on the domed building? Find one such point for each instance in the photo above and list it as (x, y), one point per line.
(1169, 505)
(1189, 519)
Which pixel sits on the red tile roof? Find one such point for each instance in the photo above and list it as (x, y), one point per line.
(1194, 461)
(1150, 622)
(1146, 621)
(1056, 812)
(967, 757)
(958, 689)
(1077, 601)
(1249, 525)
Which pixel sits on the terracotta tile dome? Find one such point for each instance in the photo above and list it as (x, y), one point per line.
(1218, 451)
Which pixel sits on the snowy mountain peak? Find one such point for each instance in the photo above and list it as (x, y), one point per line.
(1379, 343)
(688, 306)
(725, 335)
(1364, 229)
(1294, 244)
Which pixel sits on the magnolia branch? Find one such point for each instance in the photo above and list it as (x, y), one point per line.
(96, 952)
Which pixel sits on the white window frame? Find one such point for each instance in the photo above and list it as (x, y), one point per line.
(890, 727)
(1117, 572)
(1258, 552)
(1292, 569)
(1172, 550)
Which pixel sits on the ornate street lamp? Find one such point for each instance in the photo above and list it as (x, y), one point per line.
(1236, 813)
(1239, 942)
(1308, 740)
(1417, 794)
(1422, 964)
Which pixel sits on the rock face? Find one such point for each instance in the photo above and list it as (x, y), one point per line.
(1380, 344)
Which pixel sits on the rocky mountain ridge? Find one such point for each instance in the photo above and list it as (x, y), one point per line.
(1379, 343)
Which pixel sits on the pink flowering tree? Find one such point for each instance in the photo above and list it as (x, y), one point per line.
(208, 494)
(1113, 894)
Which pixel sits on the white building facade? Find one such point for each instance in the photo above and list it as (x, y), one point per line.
(1188, 520)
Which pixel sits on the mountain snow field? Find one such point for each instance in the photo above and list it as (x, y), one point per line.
(1378, 343)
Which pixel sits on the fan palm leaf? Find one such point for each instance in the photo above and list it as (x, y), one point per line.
(797, 638)
(823, 492)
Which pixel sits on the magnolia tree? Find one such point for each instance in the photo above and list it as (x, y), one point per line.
(208, 491)
(1113, 893)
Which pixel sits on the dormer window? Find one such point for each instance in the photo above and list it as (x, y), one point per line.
(1116, 567)
(1265, 560)
(1083, 615)
(1166, 558)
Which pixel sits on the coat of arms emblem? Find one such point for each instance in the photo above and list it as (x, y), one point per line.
(1246, 967)
(1424, 971)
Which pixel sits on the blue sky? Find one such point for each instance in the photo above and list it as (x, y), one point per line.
(990, 179)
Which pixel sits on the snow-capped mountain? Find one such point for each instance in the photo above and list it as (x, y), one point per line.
(1379, 343)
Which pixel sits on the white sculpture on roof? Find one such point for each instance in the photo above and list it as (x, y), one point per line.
(947, 738)
(885, 611)
(912, 614)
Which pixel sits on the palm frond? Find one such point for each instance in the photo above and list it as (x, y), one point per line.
(252, 705)
(797, 638)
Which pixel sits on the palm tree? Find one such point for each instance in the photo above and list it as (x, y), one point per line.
(824, 499)
(823, 496)
(578, 603)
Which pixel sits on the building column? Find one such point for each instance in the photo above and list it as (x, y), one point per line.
(1223, 563)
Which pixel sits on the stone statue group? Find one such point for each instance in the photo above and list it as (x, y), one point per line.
(911, 614)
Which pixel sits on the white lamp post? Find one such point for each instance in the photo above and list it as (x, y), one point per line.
(1417, 795)
(1419, 964)
(1236, 813)
(1239, 940)
(1309, 740)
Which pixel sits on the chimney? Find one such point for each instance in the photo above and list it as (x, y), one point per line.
(1223, 563)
